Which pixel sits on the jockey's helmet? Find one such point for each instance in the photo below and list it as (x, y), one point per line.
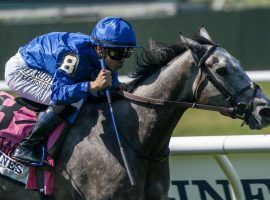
(114, 32)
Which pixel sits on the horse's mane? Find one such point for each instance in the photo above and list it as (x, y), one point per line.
(158, 55)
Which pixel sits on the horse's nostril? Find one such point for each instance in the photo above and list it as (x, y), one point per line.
(265, 112)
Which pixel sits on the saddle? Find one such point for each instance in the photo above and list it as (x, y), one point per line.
(17, 119)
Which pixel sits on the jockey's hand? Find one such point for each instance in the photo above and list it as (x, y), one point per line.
(103, 80)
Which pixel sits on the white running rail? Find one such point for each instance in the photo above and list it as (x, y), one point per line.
(220, 147)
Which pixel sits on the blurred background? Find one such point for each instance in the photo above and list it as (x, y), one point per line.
(240, 26)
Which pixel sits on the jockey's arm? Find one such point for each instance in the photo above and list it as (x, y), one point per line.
(66, 91)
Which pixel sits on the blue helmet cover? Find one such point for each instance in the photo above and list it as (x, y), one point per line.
(113, 32)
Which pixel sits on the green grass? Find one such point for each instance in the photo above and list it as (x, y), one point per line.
(200, 123)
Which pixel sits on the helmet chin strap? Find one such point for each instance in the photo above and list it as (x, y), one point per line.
(101, 52)
(119, 139)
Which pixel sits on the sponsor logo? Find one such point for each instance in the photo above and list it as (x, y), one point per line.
(7, 163)
(7, 146)
(35, 77)
(254, 189)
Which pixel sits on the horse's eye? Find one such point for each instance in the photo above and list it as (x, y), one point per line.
(222, 71)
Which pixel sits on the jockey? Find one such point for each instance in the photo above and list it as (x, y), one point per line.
(59, 69)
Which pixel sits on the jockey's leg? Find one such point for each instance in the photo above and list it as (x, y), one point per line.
(30, 150)
(35, 85)
(27, 82)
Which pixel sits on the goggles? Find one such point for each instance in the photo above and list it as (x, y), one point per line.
(119, 53)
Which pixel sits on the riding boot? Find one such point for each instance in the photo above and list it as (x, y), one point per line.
(30, 150)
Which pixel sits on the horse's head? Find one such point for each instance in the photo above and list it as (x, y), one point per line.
(221, 81)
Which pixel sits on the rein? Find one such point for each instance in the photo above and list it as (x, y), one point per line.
(160, 102)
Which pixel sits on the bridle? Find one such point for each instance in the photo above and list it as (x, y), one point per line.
(237, 109)
(241, 110)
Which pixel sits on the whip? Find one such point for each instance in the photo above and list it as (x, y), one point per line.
(122, 150)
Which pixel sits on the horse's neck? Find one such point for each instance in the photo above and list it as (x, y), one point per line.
(173, 82)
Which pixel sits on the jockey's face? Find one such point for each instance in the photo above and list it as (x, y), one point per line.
(114, 65)
(115, 57)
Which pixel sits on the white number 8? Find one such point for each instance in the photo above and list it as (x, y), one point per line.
(69, 64)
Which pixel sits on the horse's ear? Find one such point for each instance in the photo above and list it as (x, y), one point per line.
(190, 43)
(205, 34)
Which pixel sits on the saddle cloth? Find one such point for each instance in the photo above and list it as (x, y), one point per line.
(16, 123)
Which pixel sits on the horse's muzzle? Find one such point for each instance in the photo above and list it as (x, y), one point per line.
(264, 116)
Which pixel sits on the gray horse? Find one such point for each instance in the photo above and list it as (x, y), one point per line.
(90, 166)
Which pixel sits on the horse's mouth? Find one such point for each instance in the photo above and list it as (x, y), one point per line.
(257, 121)
(254, 124)
(260, 119)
